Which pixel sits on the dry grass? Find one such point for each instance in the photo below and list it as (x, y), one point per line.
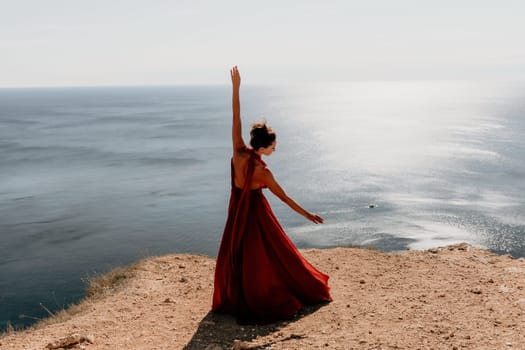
(61, 315)
(365, 247)
(8, 331)
(107, 283)
(97, 287)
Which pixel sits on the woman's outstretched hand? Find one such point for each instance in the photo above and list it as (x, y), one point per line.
(316, 219)
(236, 77)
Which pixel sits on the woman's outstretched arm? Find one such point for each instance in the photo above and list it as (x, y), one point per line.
(238, 142)
(277, 190)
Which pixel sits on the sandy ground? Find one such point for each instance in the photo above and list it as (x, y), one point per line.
(456, 297)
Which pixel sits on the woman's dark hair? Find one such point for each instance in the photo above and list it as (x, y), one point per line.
(262, 135)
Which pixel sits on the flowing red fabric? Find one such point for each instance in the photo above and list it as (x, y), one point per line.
(260, 275)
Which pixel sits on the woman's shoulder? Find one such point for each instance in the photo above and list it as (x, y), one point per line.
(261, 169)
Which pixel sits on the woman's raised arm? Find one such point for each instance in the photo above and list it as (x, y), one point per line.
(238, 142)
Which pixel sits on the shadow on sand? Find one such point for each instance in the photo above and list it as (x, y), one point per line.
(221, 330)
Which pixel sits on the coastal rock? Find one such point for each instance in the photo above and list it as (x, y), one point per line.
(409, 300)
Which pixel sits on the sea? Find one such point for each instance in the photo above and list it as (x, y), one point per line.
(92, 178)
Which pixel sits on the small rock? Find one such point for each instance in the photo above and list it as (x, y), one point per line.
(240, 345)
(213, 347)
(182, 266)
(183, 280)
(70, 340)
(89, 338)
(459, 246)
(362, 281)
(463, 246)
(515, 269)
(480, 259)
(505, 289)
(476, 290)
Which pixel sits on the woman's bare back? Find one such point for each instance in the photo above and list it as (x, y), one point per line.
(241, 160)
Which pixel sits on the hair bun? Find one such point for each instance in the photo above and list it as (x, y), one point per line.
(259, 126)
(261, 134)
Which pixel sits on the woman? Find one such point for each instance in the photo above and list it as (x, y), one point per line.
(260, 275)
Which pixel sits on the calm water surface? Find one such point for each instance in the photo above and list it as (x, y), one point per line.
(92, 178)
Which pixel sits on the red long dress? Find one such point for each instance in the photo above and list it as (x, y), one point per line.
(260, 275)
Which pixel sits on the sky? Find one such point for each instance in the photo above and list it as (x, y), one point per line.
(159, 42)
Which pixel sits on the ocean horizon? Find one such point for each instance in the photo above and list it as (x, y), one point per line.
(97, 177)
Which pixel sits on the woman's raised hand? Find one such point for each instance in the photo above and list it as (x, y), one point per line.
(236, 77)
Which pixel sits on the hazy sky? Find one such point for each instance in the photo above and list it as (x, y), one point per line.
(117, 42)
